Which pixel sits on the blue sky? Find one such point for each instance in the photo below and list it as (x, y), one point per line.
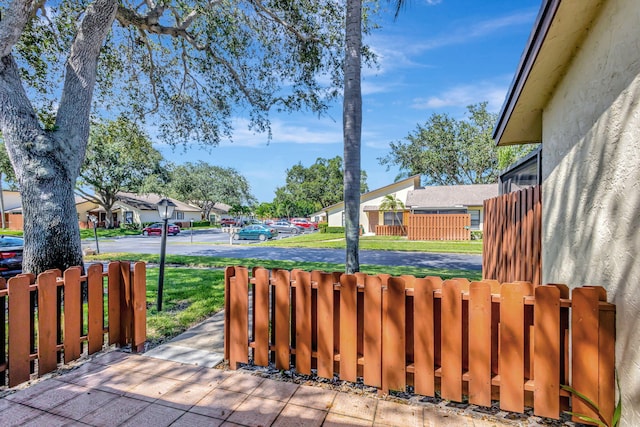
(438, 57)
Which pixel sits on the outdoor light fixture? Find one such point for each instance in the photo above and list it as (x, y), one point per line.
(165, 210)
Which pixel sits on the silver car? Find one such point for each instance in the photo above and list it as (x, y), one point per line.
(286, 227)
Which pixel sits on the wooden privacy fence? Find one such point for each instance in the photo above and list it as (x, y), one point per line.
(391, 230)
(439, 227)
(512, 237)
(513, 342)
(50, 322)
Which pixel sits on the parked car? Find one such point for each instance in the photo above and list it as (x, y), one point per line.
(304, 223)
(231, 222)
(286, 227)
(10, 256)
(255, 232)
(156, 228)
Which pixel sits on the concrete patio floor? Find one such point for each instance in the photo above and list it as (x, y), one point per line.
(121, 389)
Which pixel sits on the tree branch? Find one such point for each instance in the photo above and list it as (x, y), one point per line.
(275, 18)
(13, 22)
(80, 78)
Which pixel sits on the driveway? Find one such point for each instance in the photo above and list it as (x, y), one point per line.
(217, 243)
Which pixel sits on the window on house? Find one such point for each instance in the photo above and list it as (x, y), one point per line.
(128, 217)
(475, 220)
(179, 215)
(391, 218)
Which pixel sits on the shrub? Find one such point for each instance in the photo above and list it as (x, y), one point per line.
(131, 226)
(476, 235)
(201, 223)
(322, 226)
(334, 230)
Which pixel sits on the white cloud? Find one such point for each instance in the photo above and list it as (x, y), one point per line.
(433, 2)
(463, 95)
(285, 132)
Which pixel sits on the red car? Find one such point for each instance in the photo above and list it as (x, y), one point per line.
(156, 228)
(231, 222)
(304, 223)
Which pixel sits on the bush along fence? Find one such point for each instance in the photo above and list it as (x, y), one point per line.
(514, 342)
(58, 317)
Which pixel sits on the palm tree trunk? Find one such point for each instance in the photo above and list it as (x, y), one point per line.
(352, 129)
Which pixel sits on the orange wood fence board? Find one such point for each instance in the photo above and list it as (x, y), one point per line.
(511, 360)
(547, 362)
(303, 322)
(325, 325)
(348, 328)
(393, 336)
(451, 341)
(113, 302)
(72, 314)
(239, 302)
(96, 307)
(585, 321)
(139, 306)
(19, 345)
(373, 331)
(424, 335)
(281, 326)
(480, 343)
(126, 311)
(261, 319)
(47, 323)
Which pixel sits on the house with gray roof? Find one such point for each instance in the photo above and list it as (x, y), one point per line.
(452, 199)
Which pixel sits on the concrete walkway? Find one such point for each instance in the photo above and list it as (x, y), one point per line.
(175, 385)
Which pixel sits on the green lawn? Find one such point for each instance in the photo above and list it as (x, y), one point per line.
(194, 285)
(385, 243)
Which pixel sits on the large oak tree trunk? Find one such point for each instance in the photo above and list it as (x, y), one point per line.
(47, 162)
(352, 129)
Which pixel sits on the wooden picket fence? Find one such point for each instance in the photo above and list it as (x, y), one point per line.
(48, 323)
(512, 236)
(391, 230)
(513, 342)
(439, 227)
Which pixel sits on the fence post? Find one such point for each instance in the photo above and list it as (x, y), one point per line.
(394, 360)
(19, 341)
(372, 346)
(303, 322)
(348, 328)
(95, 335)
(325, 325)
(72, 314)
(480, 343)
(239, 327)
(139, 305)
(47, 323)
(546, 317)
(261, 322)
(511, 363)
(452, 340)
(281, 326)
(113, 302)
(125, 304)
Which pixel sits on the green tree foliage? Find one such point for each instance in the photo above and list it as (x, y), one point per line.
(446, 151)
(119, 157)
(204, 185)
(184, 66)
(265, 210)
(307, 190)
(391, 203)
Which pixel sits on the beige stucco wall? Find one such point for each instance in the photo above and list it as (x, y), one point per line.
(591, 189)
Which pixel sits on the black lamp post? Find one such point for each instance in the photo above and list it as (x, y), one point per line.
(94, 221)
(165, 210)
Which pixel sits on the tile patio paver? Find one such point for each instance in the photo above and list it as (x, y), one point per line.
(55, 397)
(294, 416)
(256, 411)
(241, 383)
(194, 420)
(339, 420)
(354, 406)
(18, 414)
(219, 403)
(83, 404)
(184, 395)
(115, 412)
(398, 414)
(154, 415)
(152, 389)
(275, 390)
(313, 397)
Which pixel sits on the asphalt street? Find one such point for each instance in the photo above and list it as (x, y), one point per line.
(217, 243)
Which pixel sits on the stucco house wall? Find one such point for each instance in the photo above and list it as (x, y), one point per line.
(591, 180)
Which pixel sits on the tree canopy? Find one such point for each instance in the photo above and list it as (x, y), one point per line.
(448, 151)
(184, 66)
(204, 185)
(309, 189)
(119, 157)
